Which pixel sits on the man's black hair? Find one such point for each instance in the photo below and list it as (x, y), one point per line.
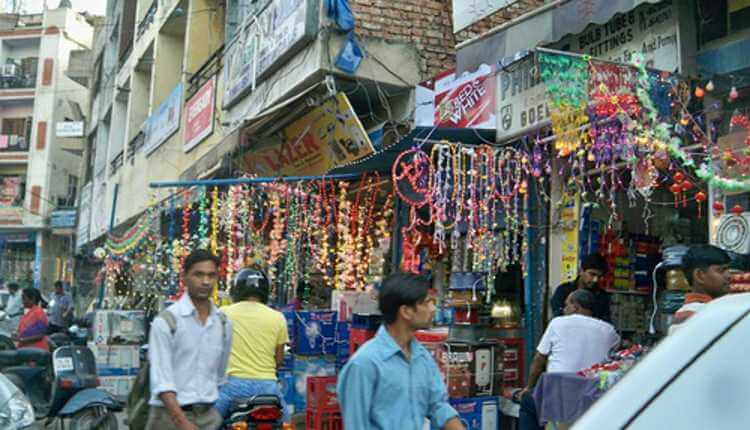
(12, 286)
(199, 256)
(594, 261)
(32, 294)
(401, 289)
(584, 299)
(58, 284)
(701, 257)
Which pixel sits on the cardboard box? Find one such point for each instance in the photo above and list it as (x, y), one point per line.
(116, 360)
(347, 303)
(119, 327)
(118, 386)
(478, 413)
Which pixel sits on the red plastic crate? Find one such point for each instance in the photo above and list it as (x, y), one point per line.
(321, 393)
(323, 420)
(358, 337)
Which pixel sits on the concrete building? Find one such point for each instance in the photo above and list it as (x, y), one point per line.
(43, 97)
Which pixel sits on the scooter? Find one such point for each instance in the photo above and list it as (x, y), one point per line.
(62, 385)
(256, 413)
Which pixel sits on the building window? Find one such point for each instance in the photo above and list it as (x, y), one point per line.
(720, 18)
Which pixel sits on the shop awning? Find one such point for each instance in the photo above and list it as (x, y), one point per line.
(383, 160)
(542, 26)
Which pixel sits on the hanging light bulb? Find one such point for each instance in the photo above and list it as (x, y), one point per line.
(733, 94)
(710, 86)
(699, 92)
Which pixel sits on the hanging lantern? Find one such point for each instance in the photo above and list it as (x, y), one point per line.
(678, 177)
(700, 197)
(710, 86)
(686, 186)
(718, 207)
(675, 189)
(699, 92)
(738, 209)
(733, 94)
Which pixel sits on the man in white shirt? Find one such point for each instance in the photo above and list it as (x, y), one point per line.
(15, 304)
(188, 356)
(571, 343)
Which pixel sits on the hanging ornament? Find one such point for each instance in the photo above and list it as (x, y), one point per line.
(686, 186)
(710, 86)
(718, 207)
(676, 189)
(733, 94)
(678, 177)
(700, 197)
(737, 210)
(699, 92)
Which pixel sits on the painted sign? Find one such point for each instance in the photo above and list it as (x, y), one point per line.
(451, 101)
(63, 218)
(164, 121)
(569, 221)
(264, 41)
(329, 136)
(650, 29)
(69, 129)
(199, 115)
(84, 215)
(467, 12)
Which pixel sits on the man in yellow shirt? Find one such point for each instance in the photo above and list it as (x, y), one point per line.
(259, 334)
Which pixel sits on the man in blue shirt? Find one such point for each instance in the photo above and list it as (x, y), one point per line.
(392, 382)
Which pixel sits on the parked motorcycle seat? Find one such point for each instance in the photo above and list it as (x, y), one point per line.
(21, 356)
(255, 401)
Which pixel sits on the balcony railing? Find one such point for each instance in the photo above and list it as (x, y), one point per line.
(12, 76)
(210, 68)
(12, 143)
(116, 163)
(147, 20)
(135, 145)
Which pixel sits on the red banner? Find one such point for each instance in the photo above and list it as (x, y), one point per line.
(199, 115)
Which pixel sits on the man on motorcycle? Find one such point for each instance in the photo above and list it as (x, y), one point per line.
(259, 334)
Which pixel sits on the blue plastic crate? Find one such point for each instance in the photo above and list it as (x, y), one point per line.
(290, 318)
(342, 341)
(477, 413)
(315, 332)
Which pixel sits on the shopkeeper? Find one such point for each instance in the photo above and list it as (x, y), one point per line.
(593, 267)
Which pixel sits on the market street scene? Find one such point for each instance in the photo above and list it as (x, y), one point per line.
(374, 214)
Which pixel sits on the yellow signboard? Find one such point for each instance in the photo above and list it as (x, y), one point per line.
(329, 136)
(569, 219)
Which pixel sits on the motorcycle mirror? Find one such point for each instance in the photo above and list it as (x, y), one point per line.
(74, 329)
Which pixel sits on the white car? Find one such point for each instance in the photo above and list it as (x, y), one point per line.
(697, 378)
(16, 411)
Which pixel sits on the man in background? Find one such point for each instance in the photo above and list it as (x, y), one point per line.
(61, 313)
(593, 267)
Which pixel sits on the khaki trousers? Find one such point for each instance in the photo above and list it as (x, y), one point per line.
(205, 418)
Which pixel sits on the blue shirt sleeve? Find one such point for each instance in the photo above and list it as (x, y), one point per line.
(440, 410)
(355, 393)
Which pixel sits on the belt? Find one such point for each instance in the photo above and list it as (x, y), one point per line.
(196, 407)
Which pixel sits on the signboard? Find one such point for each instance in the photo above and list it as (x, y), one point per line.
(650, 29)
(164, 121)
(266, 40)
(18, 238)
(326, 137)
(467, 12)
(98, 210)
(10, 191)
(69, 129)
(569, 220)
(84, 214)
(449, 101)
(199, 115)
(63, 219)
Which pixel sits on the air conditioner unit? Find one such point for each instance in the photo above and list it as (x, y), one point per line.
(733, 233)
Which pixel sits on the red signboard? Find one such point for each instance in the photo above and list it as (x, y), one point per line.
(199, 115)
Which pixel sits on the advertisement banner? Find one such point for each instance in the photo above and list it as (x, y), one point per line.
(69, 129)
(329, 136)
(264, 41)
(10, 191)
(466, 101)
(649, 29)
(84, 214)
(569, 221)
(164, 121)
(63, 219)
(199, 115)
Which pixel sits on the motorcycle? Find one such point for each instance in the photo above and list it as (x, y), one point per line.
(256, 413)
(62, 385)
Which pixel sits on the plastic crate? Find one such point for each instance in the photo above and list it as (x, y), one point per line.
(323, 420)
(321, 393)
(478, 413)
(358, 337)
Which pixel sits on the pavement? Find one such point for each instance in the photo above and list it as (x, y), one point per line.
(39, 425)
